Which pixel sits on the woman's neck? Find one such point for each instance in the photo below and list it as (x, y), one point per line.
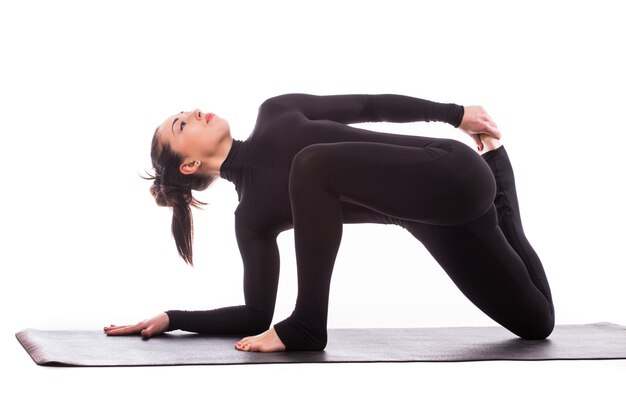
(212, 164)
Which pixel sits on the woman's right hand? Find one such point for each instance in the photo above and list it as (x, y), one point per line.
(147, 328)
(475, 122)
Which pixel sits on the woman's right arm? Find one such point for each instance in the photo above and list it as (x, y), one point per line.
(261, 269)
(357, 108)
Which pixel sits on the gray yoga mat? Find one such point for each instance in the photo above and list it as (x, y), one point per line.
(437, 344)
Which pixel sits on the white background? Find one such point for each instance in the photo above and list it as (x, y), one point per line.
(83, 245)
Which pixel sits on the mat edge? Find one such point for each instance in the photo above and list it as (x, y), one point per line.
(24, 338)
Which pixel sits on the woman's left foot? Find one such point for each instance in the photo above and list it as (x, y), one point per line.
(268, 341)
(489, 144)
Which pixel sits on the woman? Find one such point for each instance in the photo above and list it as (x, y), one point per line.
(304, 168)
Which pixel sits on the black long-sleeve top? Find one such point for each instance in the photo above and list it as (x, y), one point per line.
(259, 168)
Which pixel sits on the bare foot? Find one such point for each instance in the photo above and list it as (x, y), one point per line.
(268, 341)
(489, 143)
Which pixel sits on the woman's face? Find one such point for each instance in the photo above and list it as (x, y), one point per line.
(194, 135)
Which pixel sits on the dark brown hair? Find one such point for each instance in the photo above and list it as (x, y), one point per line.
(172, 188)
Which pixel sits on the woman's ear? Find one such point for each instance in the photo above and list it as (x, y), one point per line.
(189, 167)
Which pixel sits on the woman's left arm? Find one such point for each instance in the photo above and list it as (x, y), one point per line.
(357, 108)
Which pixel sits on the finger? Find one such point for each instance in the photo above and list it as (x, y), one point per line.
(113, 326)
(126, 329)
(487, 122)
(107, 329)
(493, 131)
(120, 331)
(148, 332)
(126, 326)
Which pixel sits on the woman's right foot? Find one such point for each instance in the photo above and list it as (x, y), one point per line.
(268, 341)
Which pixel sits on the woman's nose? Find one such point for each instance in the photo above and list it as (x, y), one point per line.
(197, 114)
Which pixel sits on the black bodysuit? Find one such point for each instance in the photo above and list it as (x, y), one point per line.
(303, 167)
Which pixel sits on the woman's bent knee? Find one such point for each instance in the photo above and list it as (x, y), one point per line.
(539, 329)
(309, 159)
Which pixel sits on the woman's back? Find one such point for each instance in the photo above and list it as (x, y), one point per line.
(259, 167)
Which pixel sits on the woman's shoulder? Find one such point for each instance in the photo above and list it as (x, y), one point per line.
(283, 99)
(275, 115)
(289, 102)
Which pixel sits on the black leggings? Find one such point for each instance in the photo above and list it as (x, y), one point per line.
(462, 206)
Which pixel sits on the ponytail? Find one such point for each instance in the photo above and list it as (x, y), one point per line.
(172, 189)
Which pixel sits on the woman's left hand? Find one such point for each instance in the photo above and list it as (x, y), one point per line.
(476, 121)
